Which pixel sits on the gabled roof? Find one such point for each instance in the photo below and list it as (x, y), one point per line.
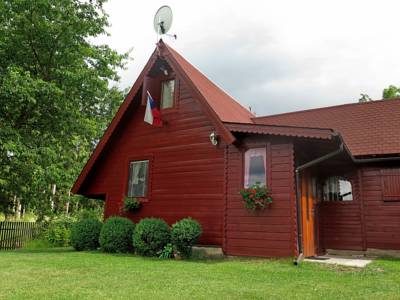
(218, 105)
(370, 128)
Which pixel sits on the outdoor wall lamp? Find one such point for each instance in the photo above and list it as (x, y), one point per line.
(214, 138)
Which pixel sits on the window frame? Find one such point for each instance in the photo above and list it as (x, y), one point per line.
(266, 163)
(174, 97)
(339, 202)
(148, 158)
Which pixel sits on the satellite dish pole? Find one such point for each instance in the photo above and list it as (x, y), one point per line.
(163, 21)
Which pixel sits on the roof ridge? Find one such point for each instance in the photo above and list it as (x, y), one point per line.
(329, 107)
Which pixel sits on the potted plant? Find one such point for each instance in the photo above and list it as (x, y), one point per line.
(256, 197)
(131, 204)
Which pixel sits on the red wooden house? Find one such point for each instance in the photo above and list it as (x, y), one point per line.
(334, 172)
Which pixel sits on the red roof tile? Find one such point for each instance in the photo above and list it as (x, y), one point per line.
(227, 109)
(371, 128)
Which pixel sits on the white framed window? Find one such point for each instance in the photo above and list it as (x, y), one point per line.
(337, 188)
(167, 93)
(138, 178)
(255, 167)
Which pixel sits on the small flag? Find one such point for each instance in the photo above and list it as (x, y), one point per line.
(152, 114)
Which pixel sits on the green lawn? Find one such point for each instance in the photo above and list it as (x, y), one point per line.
(65, 274)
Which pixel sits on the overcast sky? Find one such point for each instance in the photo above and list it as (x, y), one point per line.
(275, 56)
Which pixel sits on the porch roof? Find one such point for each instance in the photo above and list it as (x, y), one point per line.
(282, 130)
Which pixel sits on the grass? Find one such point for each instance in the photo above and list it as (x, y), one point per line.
(64, 274)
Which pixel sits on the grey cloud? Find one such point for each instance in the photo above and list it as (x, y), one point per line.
(250, 68)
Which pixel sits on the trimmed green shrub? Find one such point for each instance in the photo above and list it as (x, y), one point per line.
(57, 232)
(131, 204)
(85, 234)
(151, 236)
(116, 235)
(184, 235)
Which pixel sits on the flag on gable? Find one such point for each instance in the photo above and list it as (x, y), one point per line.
(152, 114)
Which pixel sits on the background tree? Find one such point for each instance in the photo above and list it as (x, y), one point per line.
(364, 98)
(56, 97)
(391, 92)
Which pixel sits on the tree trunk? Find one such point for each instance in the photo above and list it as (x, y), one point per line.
(17, 208)
(67, 204)
(53, 192)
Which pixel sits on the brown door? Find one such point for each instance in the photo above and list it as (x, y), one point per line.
(307, 209)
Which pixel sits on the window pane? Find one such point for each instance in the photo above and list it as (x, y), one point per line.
(138, 174)
(345, 192)
(337, 189)
(167, 94)
(255, 167)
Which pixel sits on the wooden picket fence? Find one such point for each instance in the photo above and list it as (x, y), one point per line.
(14, 235)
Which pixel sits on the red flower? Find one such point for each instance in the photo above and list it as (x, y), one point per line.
(251, 196)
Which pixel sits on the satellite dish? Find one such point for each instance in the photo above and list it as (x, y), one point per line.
(163, 20)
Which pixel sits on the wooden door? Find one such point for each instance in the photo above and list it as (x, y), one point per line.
(308, 215)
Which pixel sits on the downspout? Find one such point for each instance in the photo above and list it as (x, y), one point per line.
(298, 198)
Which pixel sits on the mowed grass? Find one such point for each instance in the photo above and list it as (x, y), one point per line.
(66, 274)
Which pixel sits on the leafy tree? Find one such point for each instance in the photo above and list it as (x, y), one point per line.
(391, 92)
(56, 97)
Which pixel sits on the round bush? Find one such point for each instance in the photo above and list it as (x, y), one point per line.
(184, 235)
(116, 235)
(85, 234)
(151, 236)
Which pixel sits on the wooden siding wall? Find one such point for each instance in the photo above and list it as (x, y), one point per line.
(370, 221)
(186, 171)
(270, 232)
(382, 218)
(340, 223)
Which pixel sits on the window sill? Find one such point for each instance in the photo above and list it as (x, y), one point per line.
(168, 110)
(143, 199)
(335, 203)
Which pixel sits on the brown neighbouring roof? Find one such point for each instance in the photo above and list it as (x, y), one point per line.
(303, 132)
(370, 128)
(218, 105)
